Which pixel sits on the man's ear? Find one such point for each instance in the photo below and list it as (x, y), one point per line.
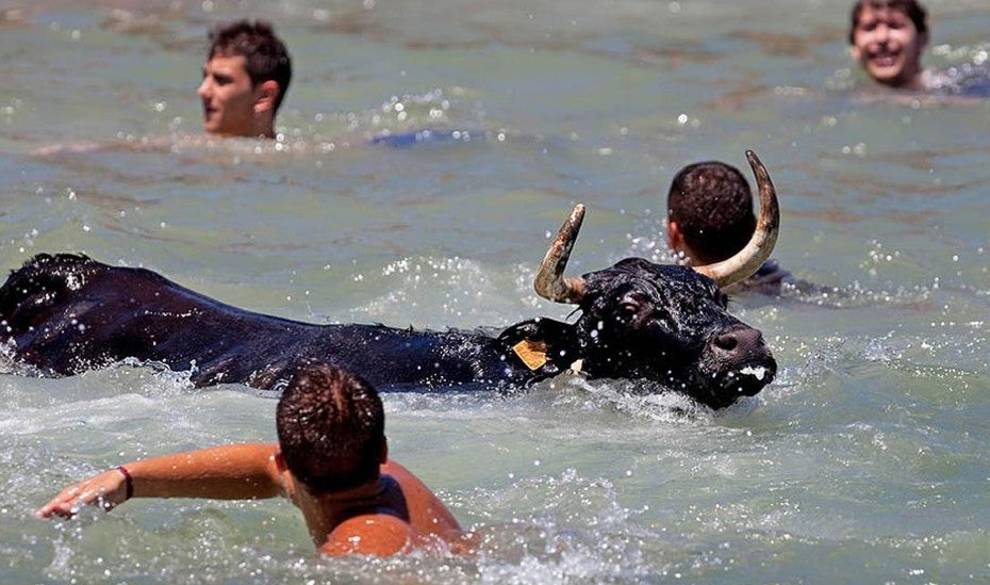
(545, 346)
(675, 239)
(265, 95)
(287, 481)
(282, 469)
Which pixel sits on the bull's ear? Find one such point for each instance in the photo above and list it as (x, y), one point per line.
(545, 346)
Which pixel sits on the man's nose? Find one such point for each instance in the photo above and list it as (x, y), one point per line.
(204, 88)
(882, 33)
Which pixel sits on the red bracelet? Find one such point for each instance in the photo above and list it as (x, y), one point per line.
(129, 480)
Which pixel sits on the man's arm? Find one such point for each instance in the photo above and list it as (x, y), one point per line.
(233, 472)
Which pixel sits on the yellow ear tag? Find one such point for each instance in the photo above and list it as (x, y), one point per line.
(532, 353)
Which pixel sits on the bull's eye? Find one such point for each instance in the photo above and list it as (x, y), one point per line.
(629, 308)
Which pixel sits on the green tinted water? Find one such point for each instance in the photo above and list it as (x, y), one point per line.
(865, 462)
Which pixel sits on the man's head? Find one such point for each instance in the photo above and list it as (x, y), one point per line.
(331, 428)
(709, 212)
(887, 38)
(245, 78)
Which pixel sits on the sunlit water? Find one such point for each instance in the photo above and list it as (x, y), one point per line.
(866, 461)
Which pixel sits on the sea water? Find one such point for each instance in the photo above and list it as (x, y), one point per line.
(866, 460)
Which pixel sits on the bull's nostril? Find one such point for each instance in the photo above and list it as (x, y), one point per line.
(740, 342)
(726, 342)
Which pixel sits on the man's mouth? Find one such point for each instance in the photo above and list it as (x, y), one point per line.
(208, 111)
(885, 58)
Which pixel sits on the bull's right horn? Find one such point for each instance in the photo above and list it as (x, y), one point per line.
(748, 260)
(550, 282)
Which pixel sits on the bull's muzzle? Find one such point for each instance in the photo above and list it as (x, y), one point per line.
(740, 361)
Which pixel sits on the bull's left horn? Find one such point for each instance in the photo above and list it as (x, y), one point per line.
(550, 282)
(748, 260)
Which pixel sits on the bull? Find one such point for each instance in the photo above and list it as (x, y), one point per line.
(65, 314)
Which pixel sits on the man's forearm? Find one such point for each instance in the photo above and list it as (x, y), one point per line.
(232, 472)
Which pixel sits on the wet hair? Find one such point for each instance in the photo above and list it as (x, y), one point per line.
(915, 11)
(331, 428)
(713, 206)
(266, 55)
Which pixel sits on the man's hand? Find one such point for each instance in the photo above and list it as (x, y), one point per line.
(105, 490)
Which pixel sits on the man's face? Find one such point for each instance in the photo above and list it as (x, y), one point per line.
(888, 45)
(228, 97)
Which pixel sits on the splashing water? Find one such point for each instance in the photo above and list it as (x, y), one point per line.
(865, 461)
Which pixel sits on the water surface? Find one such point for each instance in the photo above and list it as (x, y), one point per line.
(865, 462)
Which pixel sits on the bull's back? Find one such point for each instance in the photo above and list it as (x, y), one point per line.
(35, 301)
(68, 313)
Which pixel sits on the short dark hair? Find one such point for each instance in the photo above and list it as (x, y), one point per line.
(331, 428)
(915, 11)
(266, 55)
(713, 206)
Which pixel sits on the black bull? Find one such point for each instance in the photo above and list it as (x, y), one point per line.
(66, 314)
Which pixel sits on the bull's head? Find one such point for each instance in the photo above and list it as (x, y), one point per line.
(660, 322)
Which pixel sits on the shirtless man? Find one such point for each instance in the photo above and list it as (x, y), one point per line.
(331, 461)
(887, 38)
(246, 75)
(710, 218)
(245, 78)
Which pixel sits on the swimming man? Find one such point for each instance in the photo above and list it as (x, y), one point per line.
(710, 218)
(245, 78)
(331, 461)
(887, 38)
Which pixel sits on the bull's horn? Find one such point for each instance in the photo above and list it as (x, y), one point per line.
(748, 260)
(550, 282)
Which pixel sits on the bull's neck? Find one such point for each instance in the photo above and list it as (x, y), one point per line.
(391, 356)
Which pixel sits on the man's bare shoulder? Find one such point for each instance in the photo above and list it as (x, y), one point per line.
(397, 470)
(424, 510)
(370, 534)
(418, 495)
